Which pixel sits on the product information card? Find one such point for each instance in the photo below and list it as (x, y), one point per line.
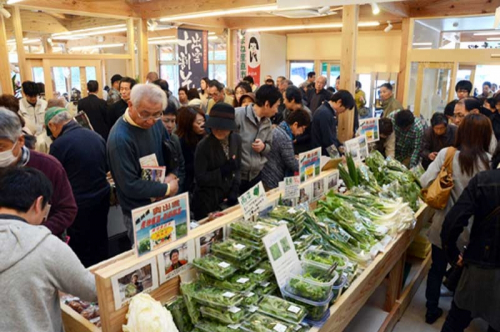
(281, 251)
(253, 201)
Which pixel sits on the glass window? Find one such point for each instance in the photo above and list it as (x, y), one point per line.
(366, 80)
(167, 53)
(299, 70)
(75, 78)
(60, 75)
(38, 74)
(90, 73)
(170, 73)
(218, 72)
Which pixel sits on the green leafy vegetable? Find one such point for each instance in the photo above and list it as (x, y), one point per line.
(210, 326)
(180, 315)
(215, 267)
(262, 323)
(238, 282)
(252, 230)
(232, 315)
(232, 249)
(263, 272)
(282, 309)
(212, 296)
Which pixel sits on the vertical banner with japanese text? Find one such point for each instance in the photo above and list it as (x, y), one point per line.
(248, 55)
(193, 56)
(253, 56)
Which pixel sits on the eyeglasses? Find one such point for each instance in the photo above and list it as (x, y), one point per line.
(145, 116)
(459, 116)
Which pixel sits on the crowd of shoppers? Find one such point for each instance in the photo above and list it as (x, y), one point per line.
(216, 144)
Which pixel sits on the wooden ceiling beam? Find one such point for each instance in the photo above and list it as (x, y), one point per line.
(161, 8)
(453, 8)
(36, 22)
(85, 22)
(108, 8)
(206, 22)
(401, 9)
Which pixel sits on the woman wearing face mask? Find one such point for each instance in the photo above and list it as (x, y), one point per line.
(217, 164)
(281, 160)
(191, 130)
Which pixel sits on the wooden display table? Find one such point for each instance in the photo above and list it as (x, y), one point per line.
(389, 264)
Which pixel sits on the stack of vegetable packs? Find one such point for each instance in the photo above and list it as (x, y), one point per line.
(236, 282)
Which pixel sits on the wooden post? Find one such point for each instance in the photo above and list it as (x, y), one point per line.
(230, 57)
(142, 48)
(5, 79)
(18, 32)
(394, 284)
(83, 82)
(405, 41)
(47, 47)
(131, 48)
(350, 15)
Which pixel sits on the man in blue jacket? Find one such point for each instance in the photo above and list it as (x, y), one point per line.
(325, 122)
(82, 153)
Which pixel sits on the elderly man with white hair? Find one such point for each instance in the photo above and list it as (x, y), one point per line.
(82, 152)
(136, 141)
(318, 95)
(13, 153)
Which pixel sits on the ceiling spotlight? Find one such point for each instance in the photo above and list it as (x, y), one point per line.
(375, 8)
(324, 10)
(389, 27)
(4, 12)
(152, 24)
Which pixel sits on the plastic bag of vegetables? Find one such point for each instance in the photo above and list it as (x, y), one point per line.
(147, 314)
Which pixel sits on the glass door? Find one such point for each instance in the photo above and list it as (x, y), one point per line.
(331, 70)
(433, 88)
(299, 70)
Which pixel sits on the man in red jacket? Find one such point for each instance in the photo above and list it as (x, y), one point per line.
(13, 153)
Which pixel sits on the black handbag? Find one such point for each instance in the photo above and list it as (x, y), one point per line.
(170, 156)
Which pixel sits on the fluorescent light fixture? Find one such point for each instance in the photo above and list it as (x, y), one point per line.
(213, 38)
(77, 48)
(93, 33)
(159, 42)
(220, 13)
(11, 2)
(159, 38)
(493, 39)
(423, 48)
(90, 31)
(487, 33)
(211, 33)
(25, 41)
(375, 8)
(312, 26)
(422, 44)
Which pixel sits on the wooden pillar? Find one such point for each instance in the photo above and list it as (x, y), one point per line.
(18, 32)
(131, 48)
(5, 79)
(83, 82)
(142, 48)
(394, 284)
(47, 47)
(403, 69)
(230, 59)
(350, 15)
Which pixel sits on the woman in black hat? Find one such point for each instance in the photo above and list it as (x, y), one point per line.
(217, 163)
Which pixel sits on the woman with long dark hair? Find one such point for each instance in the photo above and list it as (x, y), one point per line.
(469, 157)
(204, 90)
(477, 294)
(241, 89)
(191, 130)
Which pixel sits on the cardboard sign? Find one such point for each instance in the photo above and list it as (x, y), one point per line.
(310, 164)
(160, 223)
(282, 255)
(369, 127)
(253, 201)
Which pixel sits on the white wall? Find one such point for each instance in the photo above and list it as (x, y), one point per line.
(115, 67)
(273, 56)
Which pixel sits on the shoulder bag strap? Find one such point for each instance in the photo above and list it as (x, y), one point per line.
(448, 161)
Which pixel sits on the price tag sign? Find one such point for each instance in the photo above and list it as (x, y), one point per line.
(292, 187)
(253, 201)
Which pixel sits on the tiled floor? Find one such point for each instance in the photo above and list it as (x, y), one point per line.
(371, 316)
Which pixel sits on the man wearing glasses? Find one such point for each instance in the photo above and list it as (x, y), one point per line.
(136, 142)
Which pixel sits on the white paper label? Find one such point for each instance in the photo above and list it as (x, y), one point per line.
(249, 294)
(279, 328)
(265, 284)
(234, 326)
(292, 211)
(235, 310)
(313, 247)
(253, 309)
(259, 227)
(242, 280)
(228, 294)
(294, 309)
(259, 271)
(224, 265)
(239, 246)
(297, 243)
(283, 222)
(322, 224)
(303, 237)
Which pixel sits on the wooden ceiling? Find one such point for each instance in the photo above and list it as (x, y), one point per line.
(55, 16)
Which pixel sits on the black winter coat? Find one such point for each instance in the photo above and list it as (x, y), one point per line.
(211, 187)
(479, 199)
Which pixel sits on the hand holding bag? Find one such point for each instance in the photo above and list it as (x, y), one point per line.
(438, 193)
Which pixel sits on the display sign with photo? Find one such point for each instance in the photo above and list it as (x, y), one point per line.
(130, 282)
(154, 173)
(171, 263)
(357, 148)
(204, 243)
(369, 127)
(160, 223)
(318, 189)
(305, 194)
(331, 181)
(310, 164)
(253, 201)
